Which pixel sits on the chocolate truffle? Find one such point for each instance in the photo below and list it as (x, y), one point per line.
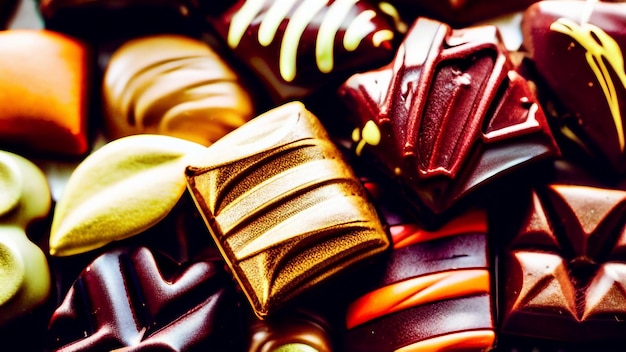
(24, 273)
(285, 209)
(564, 276)
(447, 118)
(296, 47)
(44, 79)
(577, 51)
(138, 299)
(173, 85)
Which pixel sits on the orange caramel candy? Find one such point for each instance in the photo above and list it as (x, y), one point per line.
(44, 85)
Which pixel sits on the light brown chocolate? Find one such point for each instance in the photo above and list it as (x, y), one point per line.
(172, 85)
(285, 209)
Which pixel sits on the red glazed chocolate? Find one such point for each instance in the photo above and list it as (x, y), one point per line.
(577, 49)
(141, 300)
(564, 273)
(448, 116)
(297, 47)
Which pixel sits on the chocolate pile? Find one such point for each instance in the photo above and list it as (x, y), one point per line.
(303, 175)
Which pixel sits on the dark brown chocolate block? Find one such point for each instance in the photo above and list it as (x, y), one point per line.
(298, 47)
(283, 206)
(433, 291)
(564, 276)
(447, 117)
(142, 300)
(577, 50)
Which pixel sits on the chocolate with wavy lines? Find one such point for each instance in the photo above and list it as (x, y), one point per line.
(577, 49)
(285, 209)
(173, 85)
(447, 117)
(296, 46)
(433, 294)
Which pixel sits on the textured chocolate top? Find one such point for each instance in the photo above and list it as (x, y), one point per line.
(448, 115)
(285, 209)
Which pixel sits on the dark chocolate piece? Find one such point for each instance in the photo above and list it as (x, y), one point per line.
(564, 273)
(135, 298)
(434, 293)
(447, 117)
(296, 47)
(577, 50)
(284, 207)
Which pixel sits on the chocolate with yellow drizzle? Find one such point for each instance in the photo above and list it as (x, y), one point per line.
(577, 50)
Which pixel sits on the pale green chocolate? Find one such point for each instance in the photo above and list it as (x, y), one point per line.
(24, 271)
(120, 190)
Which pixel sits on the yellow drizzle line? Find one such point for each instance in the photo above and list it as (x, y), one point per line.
(391, 10)
(296, 26)
(598, 51)
(241, 21)
(326, 34)
(358, 29)
(272, 19)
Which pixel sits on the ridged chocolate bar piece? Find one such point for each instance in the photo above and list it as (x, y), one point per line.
(284, 207)
(447, 117)
(564, 273)
(141, 300)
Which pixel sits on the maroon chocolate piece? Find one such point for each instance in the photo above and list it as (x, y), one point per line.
(564, 272)
(138, 299)
(459, 13)
(448, 116)
(298, 47)
(577, 50)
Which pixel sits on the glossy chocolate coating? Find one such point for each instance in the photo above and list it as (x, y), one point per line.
(433, 292)
(45, 97)
(447, 117)
(293, 331)
(297, 47)
(577, 49)
(284, 207)
(563, 272)
(142, 300)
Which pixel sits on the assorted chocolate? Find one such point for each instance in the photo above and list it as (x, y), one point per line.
(213, 204)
